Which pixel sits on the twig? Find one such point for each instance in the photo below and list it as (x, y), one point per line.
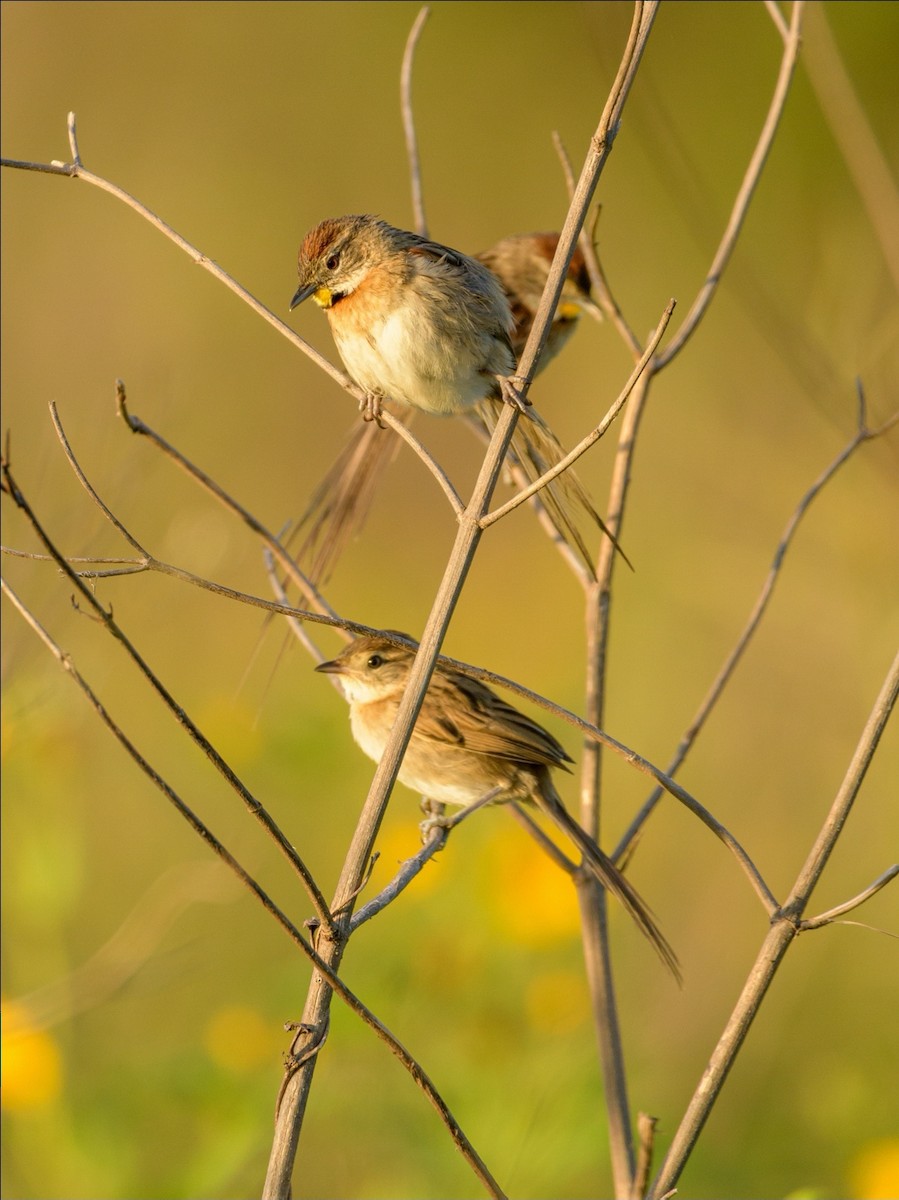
(546, 843)
(408, 113)
(826, 918)
(401, 428)
(783, 930)
(437, 834)
(859, 149)
(76, 170)
(467, 539)
(598, 609)
(646, 1132)
(599, 736)
(200, 740)
(300, 581)
(296, 624)
(593, 921)
(792, 42)
(573, 455)
(420, 1077)
(862, 435)
(598, 282)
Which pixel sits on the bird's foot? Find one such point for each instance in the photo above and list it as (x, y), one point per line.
(370, 407)
(508, 387)
(435, 818)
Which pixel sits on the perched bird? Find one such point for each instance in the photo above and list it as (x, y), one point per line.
(414, 321)
(467, 742)
(430, 328)
(521, 263)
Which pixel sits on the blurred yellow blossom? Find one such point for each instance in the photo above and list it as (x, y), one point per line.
(31, 1062)
(238, 1038)
(874, 1174)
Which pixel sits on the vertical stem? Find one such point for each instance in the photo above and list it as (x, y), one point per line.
(784, 928)
(597, 959)
(295, 1094)
(594, 930)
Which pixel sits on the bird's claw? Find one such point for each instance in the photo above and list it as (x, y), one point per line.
(427, 827)
(508, 386)
(434, 818)
(370, 407)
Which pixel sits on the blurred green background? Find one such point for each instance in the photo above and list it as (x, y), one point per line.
(148, 1065)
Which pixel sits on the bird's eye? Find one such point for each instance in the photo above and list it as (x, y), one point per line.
(375, 661)
(333, 262)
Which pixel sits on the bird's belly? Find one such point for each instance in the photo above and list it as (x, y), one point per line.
(447, 775)
(439, 772)
(405, 359)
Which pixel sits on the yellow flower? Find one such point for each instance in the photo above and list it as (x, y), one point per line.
(874, 1175)
(31, 1062)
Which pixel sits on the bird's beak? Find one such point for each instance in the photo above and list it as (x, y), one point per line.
(303, 292)
(333, 667)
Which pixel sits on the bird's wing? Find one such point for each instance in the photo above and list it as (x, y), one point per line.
(466, 713)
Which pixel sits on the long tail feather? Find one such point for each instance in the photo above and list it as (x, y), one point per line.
(341, 502)
(608, 874)
(536, 449)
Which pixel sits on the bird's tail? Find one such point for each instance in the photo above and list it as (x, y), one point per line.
(607, 873)
(341, 502)
(536, 449)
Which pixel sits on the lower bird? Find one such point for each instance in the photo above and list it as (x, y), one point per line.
(468, 742)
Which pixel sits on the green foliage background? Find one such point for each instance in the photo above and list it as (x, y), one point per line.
(243, 125)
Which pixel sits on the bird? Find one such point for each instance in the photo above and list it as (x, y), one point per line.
(413, 320)
(467, 742)
(428, 327)
(521, 263)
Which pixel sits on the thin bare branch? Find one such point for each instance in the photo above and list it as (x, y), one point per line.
(85, 483)
(402, 428)
(832, 914)
(467, 539)
(106, 618)
(128, 566)
(646, 1132)
(823, 847)
(792, 42)
(300, 581)
(599, 283)
(437, 831)
(862, 435)
(419, 1076)
(76, 170)
(296, 624)
(594, 734)
(516, 475)
(546, 843)
(584, 445)
(859, 149)
(51, 168)
(418, 200)
(783, 930)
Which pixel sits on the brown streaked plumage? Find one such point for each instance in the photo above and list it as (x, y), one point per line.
(467, 742)
(521, 263)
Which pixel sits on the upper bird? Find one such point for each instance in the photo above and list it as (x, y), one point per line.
(414, 321)
(426, 326)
